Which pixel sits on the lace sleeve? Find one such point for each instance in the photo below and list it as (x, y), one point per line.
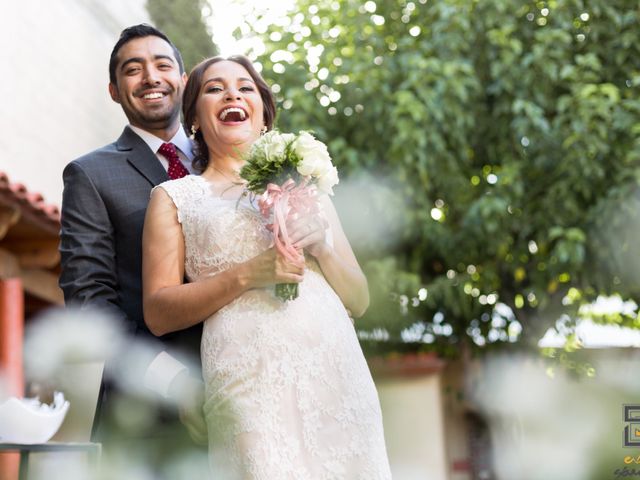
(169, 191)
(182, 194)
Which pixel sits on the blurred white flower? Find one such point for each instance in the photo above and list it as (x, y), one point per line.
(562, 420)
(372, 210)
(63, 336)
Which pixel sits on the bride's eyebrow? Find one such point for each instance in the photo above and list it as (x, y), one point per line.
(222, 80)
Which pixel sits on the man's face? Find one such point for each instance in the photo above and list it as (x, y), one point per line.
(149, 83)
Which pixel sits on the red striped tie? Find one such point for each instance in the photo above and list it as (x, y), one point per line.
(176, 168)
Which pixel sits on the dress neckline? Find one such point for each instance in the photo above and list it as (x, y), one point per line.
(207, 188)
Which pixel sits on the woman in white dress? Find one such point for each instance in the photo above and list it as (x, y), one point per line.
(288, 391)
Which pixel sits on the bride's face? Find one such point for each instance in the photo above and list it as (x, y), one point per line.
(229, 110)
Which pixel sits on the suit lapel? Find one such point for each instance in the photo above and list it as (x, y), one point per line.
(141, 158)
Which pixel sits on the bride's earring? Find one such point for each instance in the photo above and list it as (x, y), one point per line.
(193, 132)
(263, 130)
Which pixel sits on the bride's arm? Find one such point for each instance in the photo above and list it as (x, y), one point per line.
(169, 303)
(338, 262)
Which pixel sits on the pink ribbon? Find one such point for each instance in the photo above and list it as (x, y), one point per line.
(284, 202)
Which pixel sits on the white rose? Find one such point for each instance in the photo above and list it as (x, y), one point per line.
(314, 164)
(327, 181)
(287, 137)
(274, 145)
(260, 149)
(314, 157)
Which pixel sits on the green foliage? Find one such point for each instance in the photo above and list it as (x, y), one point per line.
(183, 21)
(510, 133)
(272, 159)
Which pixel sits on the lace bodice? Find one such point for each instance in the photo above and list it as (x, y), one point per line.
(218, 232)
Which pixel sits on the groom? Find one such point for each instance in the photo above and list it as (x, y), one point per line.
(106, 194)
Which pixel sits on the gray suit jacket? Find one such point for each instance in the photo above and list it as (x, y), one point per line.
(105, 198)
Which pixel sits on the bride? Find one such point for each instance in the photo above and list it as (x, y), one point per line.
(288, 391)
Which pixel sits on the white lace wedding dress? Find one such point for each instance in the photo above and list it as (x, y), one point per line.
(289, 394)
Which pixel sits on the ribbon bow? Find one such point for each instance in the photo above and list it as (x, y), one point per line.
(287, 201)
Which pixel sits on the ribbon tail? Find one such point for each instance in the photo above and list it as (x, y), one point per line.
(280, 230)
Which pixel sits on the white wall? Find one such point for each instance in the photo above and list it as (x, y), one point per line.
(54, 74)
(414, 427)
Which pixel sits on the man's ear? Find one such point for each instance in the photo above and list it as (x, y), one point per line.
(185, 77)
(113, 91)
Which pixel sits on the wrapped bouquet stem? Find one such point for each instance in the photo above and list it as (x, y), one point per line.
(288, 171)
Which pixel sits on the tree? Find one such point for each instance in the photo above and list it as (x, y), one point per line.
(184, 22)
(506, 135)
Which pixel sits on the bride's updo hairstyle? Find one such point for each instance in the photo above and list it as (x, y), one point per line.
(192, 93)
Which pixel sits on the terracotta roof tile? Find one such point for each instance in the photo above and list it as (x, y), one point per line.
(32, 202)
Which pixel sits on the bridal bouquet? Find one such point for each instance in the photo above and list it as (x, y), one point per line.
(287, 171)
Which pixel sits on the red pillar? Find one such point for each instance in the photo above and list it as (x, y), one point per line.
(11, 340)
(12, 333)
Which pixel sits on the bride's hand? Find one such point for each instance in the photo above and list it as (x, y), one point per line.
(270, 267)
(309, 233)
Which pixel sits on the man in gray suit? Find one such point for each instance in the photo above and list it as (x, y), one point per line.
(106, 191)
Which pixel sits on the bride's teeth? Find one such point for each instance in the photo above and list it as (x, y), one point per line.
(241, 112)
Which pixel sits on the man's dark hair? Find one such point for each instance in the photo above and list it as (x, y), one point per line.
(138, 31)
